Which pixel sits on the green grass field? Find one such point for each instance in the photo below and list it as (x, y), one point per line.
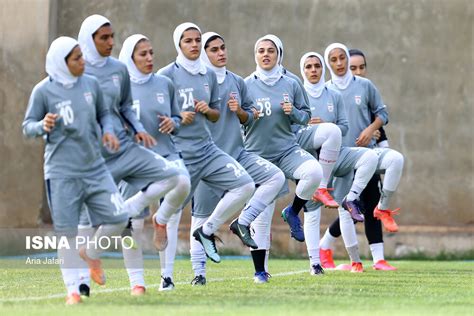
(417, 288)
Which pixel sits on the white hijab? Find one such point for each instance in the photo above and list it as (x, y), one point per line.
(271, 77)
(344, 81)
(56, 65)
(313, 89)
(89, 27)
(220, 71)
(192, 66)
(279, 44)
(125, 56)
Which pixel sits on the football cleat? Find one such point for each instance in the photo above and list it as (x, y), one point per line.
(354, 208)
(387, 220)
(261, 277)
(198, 280)
(383, 265)
(160, 236)
(166, 284)
(316, 269)
(327, 261)
(322, 195)
(208, 243)
(357, 267)
(73, 299)
(138, 290)
(95, 267)
(243, 232)
(294, 222)
(343, 267)
(84, 290)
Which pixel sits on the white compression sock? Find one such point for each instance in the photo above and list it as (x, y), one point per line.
(105, 230)
(328, 136)
(133, 257)
(392, 163)
(69, 264)
(87, 233)
(173, 200)
(377, 252)
(261, 230)
(365, 169)
(263, 196)
(328, 240)
(168, 255)
(347, 228)
(232, 201)
(198, 256)
(309, 175)
(135, 204)
(311, 233)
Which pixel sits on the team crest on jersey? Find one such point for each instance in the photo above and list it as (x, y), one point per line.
(330, 107)
(358, 99)
(206, 87)
(160, 97)
(88, 97)
(116, 80)
(286, 97)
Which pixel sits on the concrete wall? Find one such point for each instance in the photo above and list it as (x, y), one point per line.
(24, 31)
(420, 55)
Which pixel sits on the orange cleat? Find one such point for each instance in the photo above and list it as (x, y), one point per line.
(95, 267)
(383, 265)
(344, 267)
(322, 195)
(357, 267)
(73, 299)
(386, 217)
(325, 255)
(160, 236)
(138, 290)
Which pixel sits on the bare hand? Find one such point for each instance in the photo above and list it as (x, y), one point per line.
(287, 107)
(315, 120)
(377, 135)
(49, 121)
(166, 124)
(256, 114)
(201, 106)
(145, 138)
(111, 142)
(233, 105)
(364, 138)
(187, 117)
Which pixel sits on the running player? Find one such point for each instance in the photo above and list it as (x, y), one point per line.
(327, 106)
(235, 108)
(362, 98)
(281, 103)
(369, 197)
(66, 109)
(198, 100)
(151, 174)
(155, 105)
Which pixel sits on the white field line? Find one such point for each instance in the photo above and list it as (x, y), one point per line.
(120, 289)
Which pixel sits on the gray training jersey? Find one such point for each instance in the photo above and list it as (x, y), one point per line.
(329, 106)
(226, 132)
(361, 99)
(271, 136)
(115, 83)
(288, 73)
(73, 147)
(193, 140)
(153, 98)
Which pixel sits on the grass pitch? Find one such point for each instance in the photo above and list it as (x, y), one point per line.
(417, 288)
